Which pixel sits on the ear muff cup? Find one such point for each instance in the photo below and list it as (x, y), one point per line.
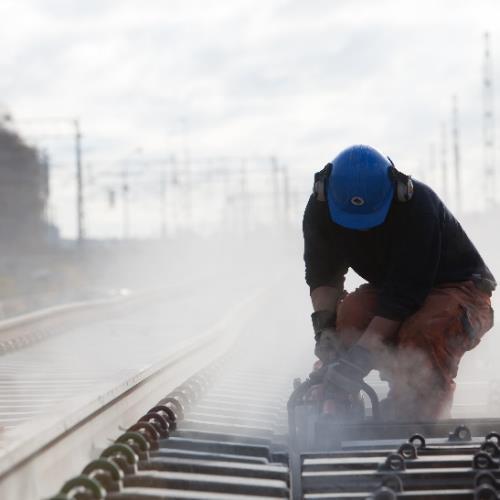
(320, 178)
(404, 184)
(404, 190)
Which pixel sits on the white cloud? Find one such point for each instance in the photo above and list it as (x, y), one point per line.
(299, 79)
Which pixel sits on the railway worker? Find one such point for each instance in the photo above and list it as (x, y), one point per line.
(427, 297)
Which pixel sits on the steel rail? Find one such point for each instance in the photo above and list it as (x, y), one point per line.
(26, 329)
(32, 467)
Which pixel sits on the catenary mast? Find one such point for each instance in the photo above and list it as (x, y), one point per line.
(488, 126)
(456, 153)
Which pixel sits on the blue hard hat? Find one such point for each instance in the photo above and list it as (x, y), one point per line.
(359, 188)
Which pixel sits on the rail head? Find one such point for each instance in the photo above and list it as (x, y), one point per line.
(26, 329)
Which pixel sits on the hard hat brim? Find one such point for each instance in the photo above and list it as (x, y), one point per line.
(360, 221)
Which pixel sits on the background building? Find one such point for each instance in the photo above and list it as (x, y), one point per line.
(24, 193)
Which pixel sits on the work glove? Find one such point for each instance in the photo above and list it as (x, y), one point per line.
(327, 342)
(347, 372)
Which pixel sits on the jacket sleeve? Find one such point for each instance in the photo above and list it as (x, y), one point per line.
(325, 264)
(415, 256)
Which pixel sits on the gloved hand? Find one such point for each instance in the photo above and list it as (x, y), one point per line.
(327, 342)
(327, 346)
(349, 370)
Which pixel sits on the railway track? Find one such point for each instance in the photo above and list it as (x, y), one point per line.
(36, 454)
(223, 435)
(213, 446)
(209, 421)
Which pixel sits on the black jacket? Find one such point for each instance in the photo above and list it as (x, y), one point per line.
(419, 245)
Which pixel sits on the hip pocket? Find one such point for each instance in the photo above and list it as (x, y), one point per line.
(475, 322)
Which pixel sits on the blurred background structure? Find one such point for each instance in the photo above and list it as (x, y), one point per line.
(123, 136)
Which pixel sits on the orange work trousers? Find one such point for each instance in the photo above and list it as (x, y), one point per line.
(421, 360)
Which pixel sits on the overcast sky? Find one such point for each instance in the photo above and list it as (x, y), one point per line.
(299, 79)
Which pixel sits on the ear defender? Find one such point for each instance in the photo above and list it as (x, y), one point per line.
(403, 183)
(320, 178)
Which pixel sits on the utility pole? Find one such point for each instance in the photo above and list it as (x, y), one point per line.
(79, 184)
(275, 182)
(188, 184)
(126, 191)
(174, 194)
(44, 156)
(456, 154)
(444, 166)
(244, 197)
(163, 202)
(488, 125)
(223, 173)
(125, 204)
(286, 194)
